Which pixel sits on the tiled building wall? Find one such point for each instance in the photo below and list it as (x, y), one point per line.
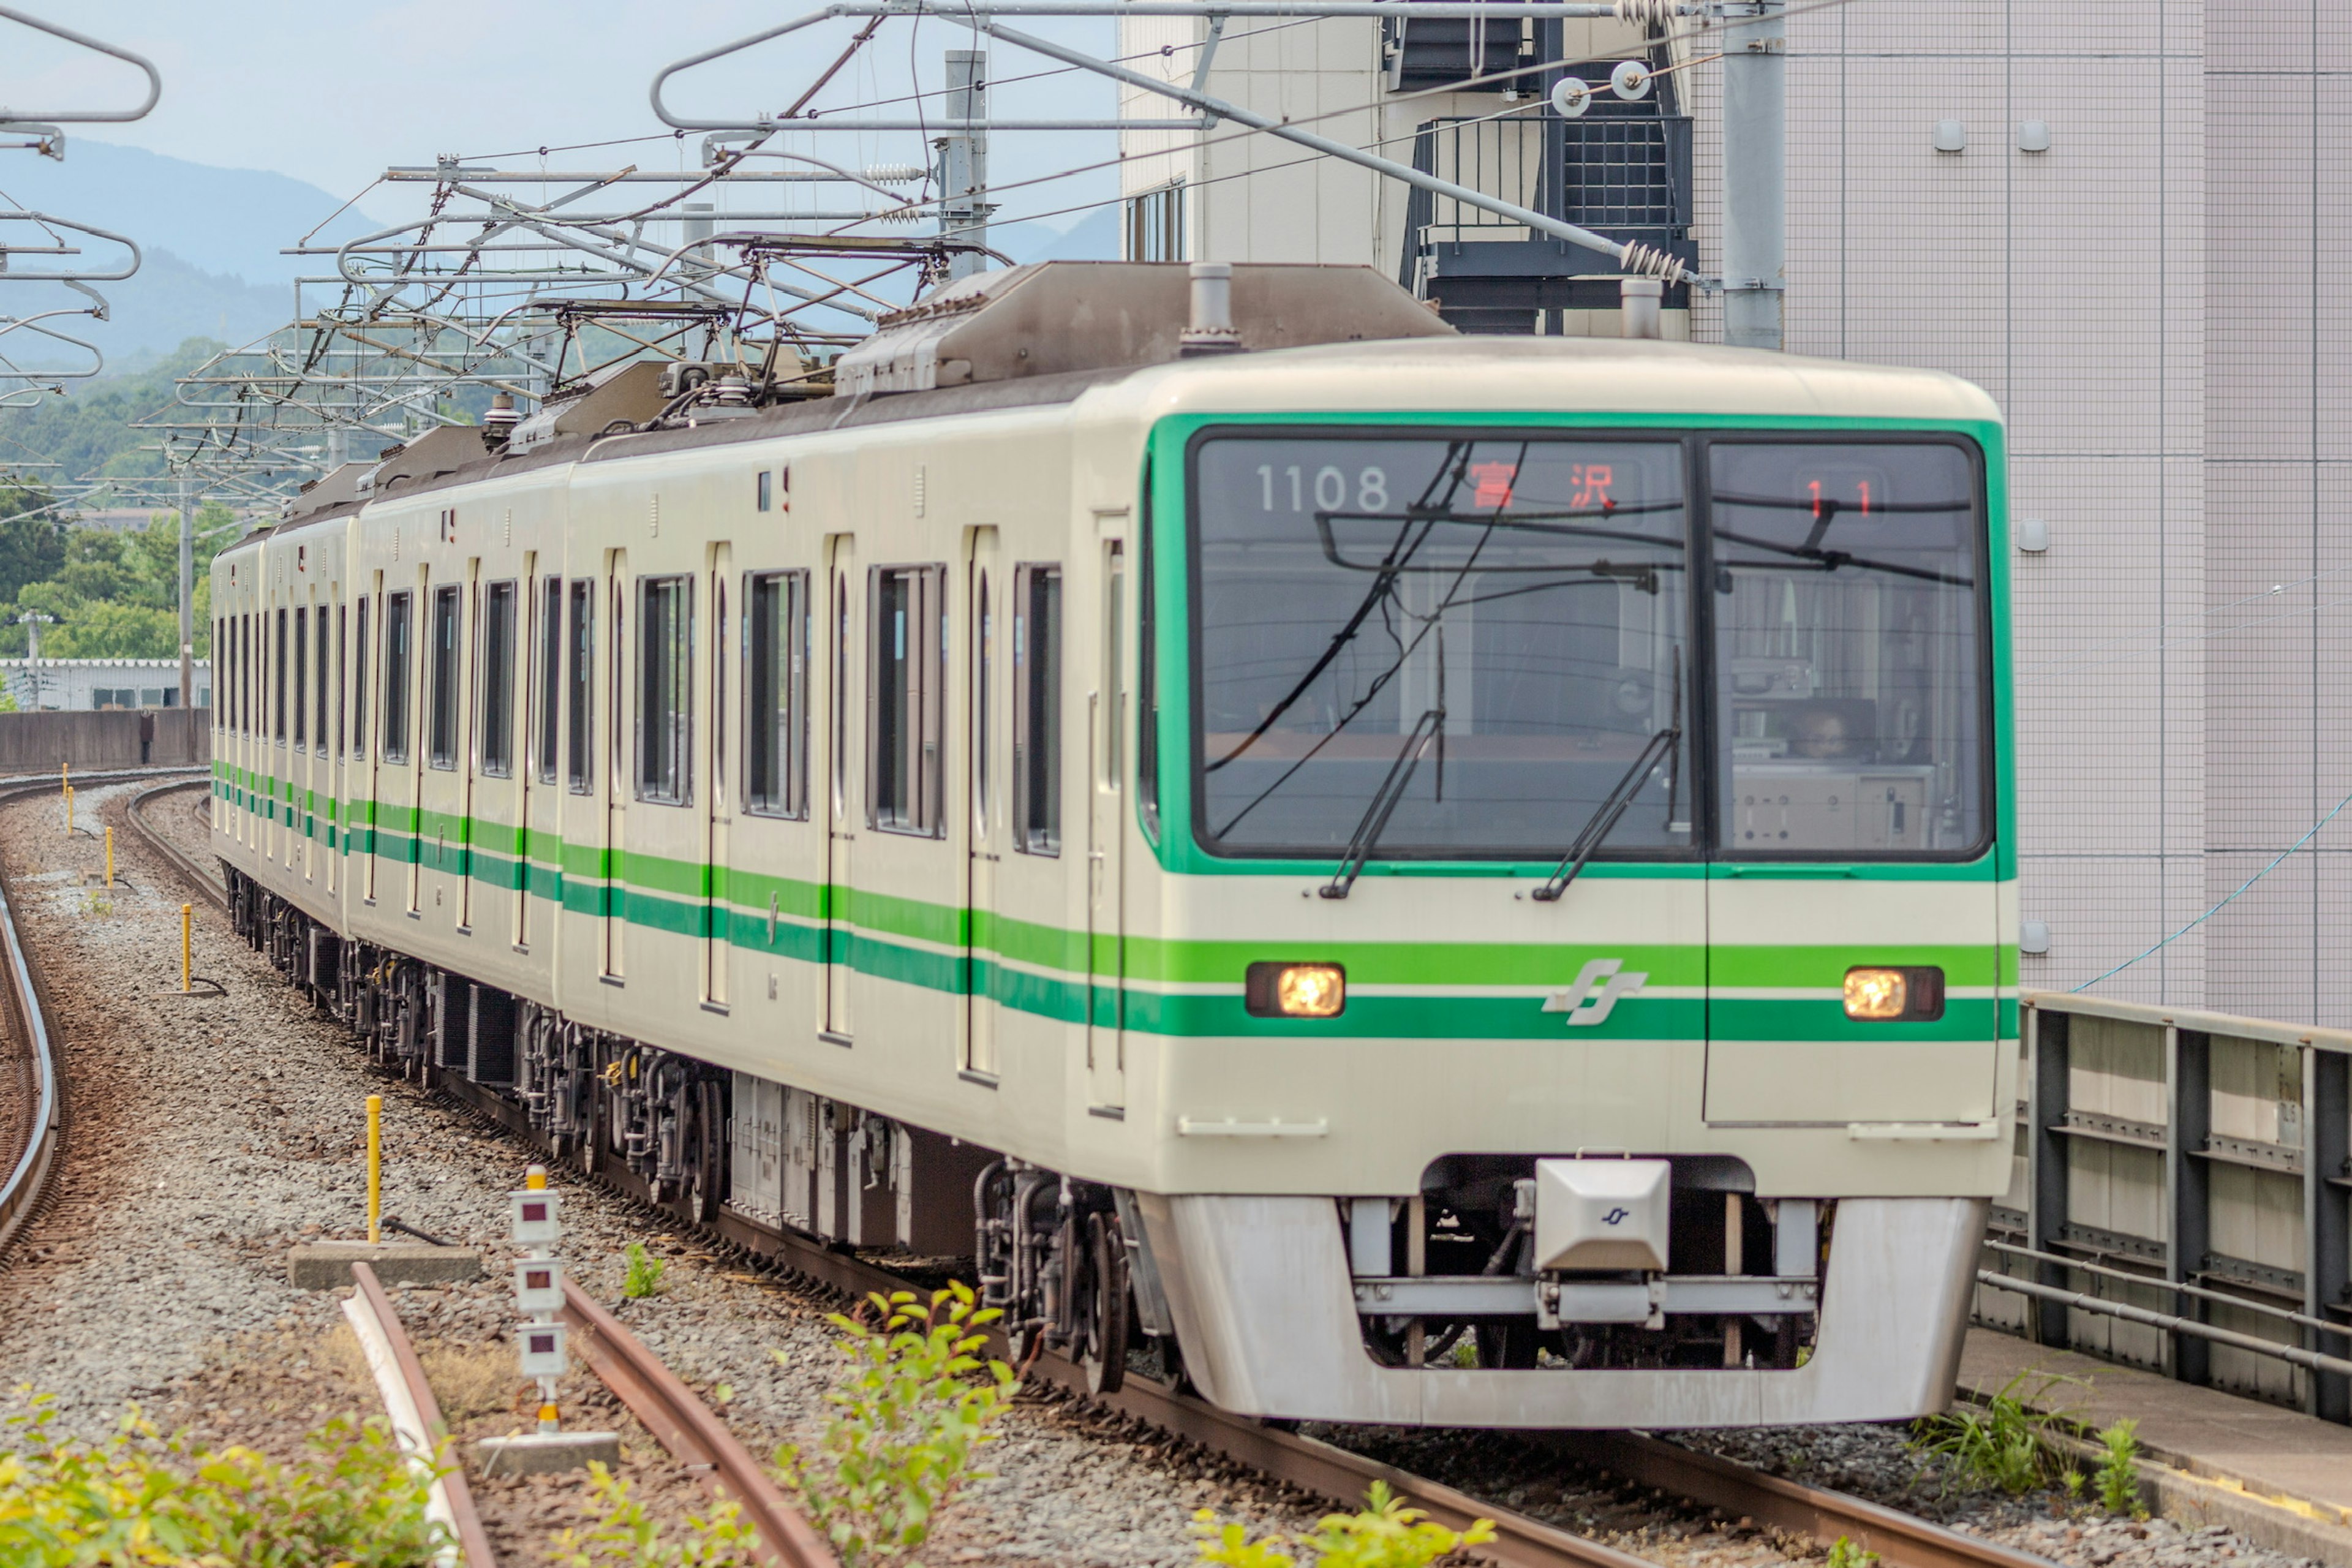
(2278, 471)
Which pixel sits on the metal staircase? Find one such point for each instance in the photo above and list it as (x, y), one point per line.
(1623, 169)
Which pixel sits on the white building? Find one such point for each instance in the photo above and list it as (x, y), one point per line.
(86, 684)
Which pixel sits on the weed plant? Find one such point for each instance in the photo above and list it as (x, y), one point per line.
(908, 1421)
(626, 1536)
(1383, 1533)
(141, 1499)
(2118, 1472)
(1844, 1553)
(2002, 1443)
(644, 1276)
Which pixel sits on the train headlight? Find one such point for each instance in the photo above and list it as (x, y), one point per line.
(1885, 995)
(1295, 990)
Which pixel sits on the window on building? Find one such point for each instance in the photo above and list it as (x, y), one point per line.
(496, 660)
(360, 683)
(441, 734)
(581, 688)
(551, 674)
(1037, 709)
(775, 693)
(665, 688)
(1155, 223)
(399, 632)
(907, 677)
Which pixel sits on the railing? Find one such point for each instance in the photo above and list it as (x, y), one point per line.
(1626, 175)
(2182, 1197)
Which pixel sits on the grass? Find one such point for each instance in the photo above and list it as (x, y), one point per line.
(2003, 1443)
(139, 1498)
(470, 1380)
(644, 1276)
(2118, 1473)
(1383, 1533)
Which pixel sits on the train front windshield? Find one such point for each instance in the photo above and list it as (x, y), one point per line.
(1501, 631)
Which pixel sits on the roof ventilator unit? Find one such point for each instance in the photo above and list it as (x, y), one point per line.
(1053, 318)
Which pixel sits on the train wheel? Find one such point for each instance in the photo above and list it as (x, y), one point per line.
(1107, 1363)
(1510, 1345)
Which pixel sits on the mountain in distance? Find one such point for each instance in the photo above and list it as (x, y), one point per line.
(210, 239)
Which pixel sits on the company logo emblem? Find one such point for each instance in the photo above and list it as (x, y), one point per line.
(1599, 987)
(1615, 1217)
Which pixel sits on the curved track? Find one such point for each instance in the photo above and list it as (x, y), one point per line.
(27, 1021)
(1703, 1482)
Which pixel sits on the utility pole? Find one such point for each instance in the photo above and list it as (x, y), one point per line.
(33, 620)
(187, 598)
(963, 162)
(1755, 142)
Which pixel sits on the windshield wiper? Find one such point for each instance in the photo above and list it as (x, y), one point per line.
(1598, 826)
(1431, 727)
(1604, 817)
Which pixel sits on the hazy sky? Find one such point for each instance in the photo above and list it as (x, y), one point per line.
(332, 93)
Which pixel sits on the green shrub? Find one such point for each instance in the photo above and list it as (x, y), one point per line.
(1383, 1533)
(644, 1276)
(139, 1498)
(909, 1418)
(2118, 1473)
(626, 1536)
(2002, 1443)
(1844, 1553)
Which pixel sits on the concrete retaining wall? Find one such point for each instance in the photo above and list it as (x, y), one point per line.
(32, 742)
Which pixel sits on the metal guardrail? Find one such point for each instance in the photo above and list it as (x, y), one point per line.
(2178, 1158)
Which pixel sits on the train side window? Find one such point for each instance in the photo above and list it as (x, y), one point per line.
(581, 688)
(321, 678)
(441, 736)
(281, 676)
(398, 633)
(551, 674)
(301, 668)
(343, 687)
(984, 686)
(775, 693)
(907, 677)
(218, 663)
(497, 662)
(359, 681)
(666, 689)
(1037, 709)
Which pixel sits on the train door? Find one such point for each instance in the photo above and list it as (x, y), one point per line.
(1105, 945)
(1853, 979)
(616, 766)
(843, 774)
(718, 797)
(986, 714)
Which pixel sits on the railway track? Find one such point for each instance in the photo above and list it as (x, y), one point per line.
(1702, 1482)
(27, 1015)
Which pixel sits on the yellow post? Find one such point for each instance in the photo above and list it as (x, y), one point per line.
(69, 811)
(110, 857)
(187, 946)
(375, 1168)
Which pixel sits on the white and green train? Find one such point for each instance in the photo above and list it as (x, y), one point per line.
(1432, 878)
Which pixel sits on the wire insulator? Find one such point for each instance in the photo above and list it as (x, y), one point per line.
(1641, 261)
(1649, 13)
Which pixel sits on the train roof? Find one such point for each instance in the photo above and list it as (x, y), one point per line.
(1502, 375)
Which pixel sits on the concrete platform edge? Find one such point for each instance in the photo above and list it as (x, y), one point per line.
(2172, 1491)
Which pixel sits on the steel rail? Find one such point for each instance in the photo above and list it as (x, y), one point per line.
(685, 1426)
(27, 1003)
(189, 870)
(1340, 1475)
(455, 1498)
